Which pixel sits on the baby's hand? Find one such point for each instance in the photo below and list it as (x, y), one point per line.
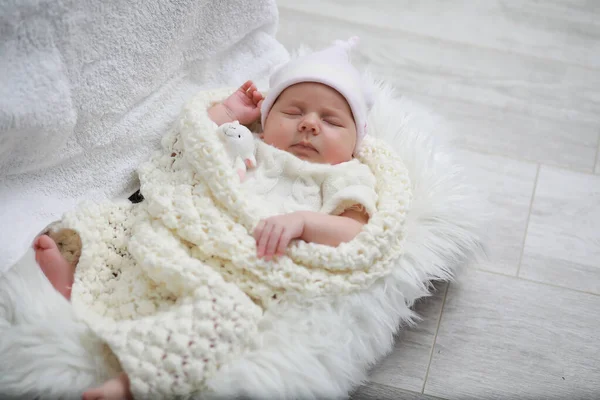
(274, 234)
(244, 104)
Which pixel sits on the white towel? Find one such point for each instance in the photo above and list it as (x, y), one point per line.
(87, 88)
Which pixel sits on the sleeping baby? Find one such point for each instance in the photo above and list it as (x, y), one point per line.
(313, 120)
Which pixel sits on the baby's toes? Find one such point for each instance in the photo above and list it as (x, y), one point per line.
(93, 394)
(44, 242)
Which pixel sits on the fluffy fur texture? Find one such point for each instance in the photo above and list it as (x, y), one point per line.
(318, 350)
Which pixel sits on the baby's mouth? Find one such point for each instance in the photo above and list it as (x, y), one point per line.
(305, 146)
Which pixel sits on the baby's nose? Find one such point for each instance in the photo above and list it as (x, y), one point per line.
(309, 124)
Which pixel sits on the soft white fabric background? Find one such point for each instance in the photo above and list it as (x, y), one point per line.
(87, 89)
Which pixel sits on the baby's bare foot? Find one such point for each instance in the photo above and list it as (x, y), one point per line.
(58, 271)
(113, 389)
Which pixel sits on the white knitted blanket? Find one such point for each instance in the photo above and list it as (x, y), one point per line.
(173, 284)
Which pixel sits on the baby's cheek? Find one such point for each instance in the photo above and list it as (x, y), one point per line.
(281, 130)
(283, 137)
(272, 136)
(338, 151)
(332, 155)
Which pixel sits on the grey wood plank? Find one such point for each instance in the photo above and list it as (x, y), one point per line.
(500, 102)
(502, 337)
(507, 186)
(563, 238)
(598, 159)
(518, 79)
(376, 391)
(478, 127)
(566, 31)
(406, 366)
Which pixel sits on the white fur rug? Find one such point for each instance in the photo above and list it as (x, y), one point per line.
(320, 350)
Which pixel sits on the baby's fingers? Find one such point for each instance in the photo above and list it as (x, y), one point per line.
(249, 92)
(247, 85)
(258, 230)
(264, 239)
(273, 241)
(257, 97)
(284, 241)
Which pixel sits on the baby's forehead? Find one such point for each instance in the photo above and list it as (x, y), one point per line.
(313, 93)
(307, 88)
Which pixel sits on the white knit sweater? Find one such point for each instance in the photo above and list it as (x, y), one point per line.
(287, 184)
(173, 284)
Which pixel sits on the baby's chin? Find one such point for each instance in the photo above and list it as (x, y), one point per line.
(307, 158)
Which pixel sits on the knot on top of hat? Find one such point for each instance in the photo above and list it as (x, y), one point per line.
(347, 44)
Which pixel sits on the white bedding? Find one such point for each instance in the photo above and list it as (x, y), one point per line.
(315, 350)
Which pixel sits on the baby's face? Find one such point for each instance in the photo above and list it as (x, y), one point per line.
(312, 121)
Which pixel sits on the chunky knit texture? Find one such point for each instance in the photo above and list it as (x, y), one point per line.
(173, 284)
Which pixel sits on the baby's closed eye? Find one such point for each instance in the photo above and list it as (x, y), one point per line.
(292, 111)
(333, 121)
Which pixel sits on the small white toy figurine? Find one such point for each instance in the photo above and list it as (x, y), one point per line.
(239, 143)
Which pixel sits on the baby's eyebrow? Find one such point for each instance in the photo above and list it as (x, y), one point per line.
(333, 111)
(296, 102)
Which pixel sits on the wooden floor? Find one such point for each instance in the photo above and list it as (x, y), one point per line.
(519, 84)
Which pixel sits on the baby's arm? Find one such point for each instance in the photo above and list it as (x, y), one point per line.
(274, 234)
(332, 229)
(220, 114)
